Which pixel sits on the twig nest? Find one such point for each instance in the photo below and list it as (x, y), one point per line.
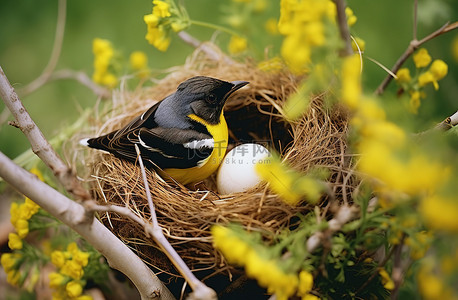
(187, 213)
(237, 172)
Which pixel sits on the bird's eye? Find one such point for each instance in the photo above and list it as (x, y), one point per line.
(211, 98)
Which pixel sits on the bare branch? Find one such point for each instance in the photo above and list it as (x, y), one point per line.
(40, 146)
(207, 49)
(55, 54)
(200, 290)
(82, 78)
(343, 27)
(413, 45)
(344, 215)
(118, 255)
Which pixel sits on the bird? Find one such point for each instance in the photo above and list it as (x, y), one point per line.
(185, 135)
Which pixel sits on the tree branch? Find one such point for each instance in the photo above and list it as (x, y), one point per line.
(82, 78)
(205, 47)
(344, 215)
(413, 45)
(343, 27)
(118, 255)
(200, 290)
(40, 146)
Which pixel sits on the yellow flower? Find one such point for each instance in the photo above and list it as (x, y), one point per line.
(81, 258)
(303, 27)
(56, 280)
(103, 55)
(305, 283)
(271, 26)
(22, 228)
(351, 18)
(161, 9)
(233, 248)
(427, 77)
(415, 97)
(403, 75)
(74, 289)
(13, 277)
(14, 241)
(269, 275)
(290, 185)
(138, 60)
(421, 58)
(58, 258)
(351, 81)
(158, 37)
(386, 279)
(439, 69)
(237, 44)
(9, 261)
(361, 44)
(73, 269)
(440, 213)
(151, 20)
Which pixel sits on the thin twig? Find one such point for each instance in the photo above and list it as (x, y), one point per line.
(206, 48)
(344, 215)
(55, 54)
(200, 290)
(74, 215)
(82, 78)
(40, 146)
(413, 45)
(343, 27)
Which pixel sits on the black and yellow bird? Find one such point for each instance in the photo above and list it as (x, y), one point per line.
(185, 135)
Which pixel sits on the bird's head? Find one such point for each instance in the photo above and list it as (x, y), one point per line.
(206, 96)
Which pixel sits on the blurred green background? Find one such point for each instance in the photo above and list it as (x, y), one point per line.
(27, 30)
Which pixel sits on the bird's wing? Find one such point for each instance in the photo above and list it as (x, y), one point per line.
(160, 147)
(174, 147)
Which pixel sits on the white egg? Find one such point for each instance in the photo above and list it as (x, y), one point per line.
(237, 171)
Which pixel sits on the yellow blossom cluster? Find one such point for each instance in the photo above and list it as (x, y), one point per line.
(103, 63)
(383, 144)
(164, 18)
(302, 24)
(11, 263)
(20, 216)
(307, 24)
(68, 282)
(266, 271)
(415, 85)
(289, 184)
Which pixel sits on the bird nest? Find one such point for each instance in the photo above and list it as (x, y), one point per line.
(186, 214)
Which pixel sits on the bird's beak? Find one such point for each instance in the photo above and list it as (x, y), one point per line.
(237, 85)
